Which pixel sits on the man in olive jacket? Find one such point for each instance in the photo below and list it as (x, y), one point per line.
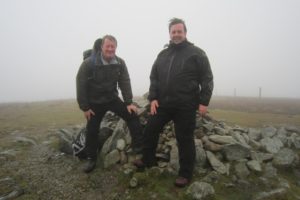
(97, 81)
(181, 82)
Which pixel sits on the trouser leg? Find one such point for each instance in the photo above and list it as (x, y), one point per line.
(152, 130)
(93, 126)
(184, 129)
(132, 120)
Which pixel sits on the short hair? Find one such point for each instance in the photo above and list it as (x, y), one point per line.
(174, 21)
(109, 37)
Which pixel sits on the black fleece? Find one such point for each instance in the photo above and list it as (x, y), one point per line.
(181, 76)
(97, 83)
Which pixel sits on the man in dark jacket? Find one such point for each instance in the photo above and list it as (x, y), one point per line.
(98, 79)
(181, 83)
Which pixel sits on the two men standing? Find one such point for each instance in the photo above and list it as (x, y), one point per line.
(181, 82)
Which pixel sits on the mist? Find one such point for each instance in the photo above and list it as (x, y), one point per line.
(250, 44)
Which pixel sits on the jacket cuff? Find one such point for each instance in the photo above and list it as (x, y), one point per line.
(128, 102)
(84, 108)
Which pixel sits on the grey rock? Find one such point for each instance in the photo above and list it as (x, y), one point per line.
(254, 134)
(211, 146)
(293, 141)
(25, 140)
(121, 144)
(285, 157)
(240, 139)
(280, 192)
(282, 134)
(212, 177)
(239, 129)
(133, 182)
(246, 137)
(111, 142)
(254, 144)
(261, 157)
(268, 131)
(111, 158)
(200, 190)
(254, 165)
(271, 145)
(201, 159)
(215, 163)
(270, 171)
(220, 131)
(163, 156)
(219, 139)
(123, 158)
(241, 170)
(292, 129)
(209, 126)
(283, 183)
(235, 152)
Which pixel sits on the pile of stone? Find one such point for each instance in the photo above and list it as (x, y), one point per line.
(221, 150)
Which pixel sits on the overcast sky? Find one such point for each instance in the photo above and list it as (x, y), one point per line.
(250, 43)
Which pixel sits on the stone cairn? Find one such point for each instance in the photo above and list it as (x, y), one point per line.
(221, 150)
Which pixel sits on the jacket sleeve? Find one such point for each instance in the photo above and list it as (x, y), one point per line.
(205, 80)
(81, 87)
(125, 85)
(153, 89)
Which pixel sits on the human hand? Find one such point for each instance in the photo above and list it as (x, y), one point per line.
(132, 108)
(202, 110)
(153, 107)
(88, 114)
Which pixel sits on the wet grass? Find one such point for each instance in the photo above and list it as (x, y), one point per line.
(255, 119)
(39, 115)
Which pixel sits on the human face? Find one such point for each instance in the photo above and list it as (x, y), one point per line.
(108, 49)
(177, 33)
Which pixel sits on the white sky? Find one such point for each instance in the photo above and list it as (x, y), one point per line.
(250, 43)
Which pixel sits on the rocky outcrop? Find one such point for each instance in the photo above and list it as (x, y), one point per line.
(236, 152)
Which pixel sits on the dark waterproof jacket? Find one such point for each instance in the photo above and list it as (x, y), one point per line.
(181, 76)
(97, 83)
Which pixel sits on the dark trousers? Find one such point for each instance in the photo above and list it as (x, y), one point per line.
(184, 121)
(93, 125)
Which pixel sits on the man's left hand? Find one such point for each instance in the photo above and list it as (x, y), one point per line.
(132, 108)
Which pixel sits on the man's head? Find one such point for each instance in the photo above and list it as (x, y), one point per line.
(108, 47)
(177, 30)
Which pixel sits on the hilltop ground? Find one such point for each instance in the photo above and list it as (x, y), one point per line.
(44, 173)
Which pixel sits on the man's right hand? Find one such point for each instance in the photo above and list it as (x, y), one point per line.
(88, 114)
(153, 107)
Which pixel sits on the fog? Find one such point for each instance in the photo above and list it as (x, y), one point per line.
(250, 43)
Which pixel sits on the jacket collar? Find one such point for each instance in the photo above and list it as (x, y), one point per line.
(113, 61)
(99, 60)
(180, 45)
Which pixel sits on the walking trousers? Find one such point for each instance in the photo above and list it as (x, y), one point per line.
(93, 125)
(184, 121)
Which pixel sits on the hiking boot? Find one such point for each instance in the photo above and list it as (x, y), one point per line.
(89, 166)
(181, 182)
(139, 164)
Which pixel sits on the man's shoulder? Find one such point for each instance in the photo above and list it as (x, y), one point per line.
(120, 60)
(164, 51)
(88, 61)
(196, 50)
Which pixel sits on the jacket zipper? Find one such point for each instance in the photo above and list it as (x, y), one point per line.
(169, 70)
